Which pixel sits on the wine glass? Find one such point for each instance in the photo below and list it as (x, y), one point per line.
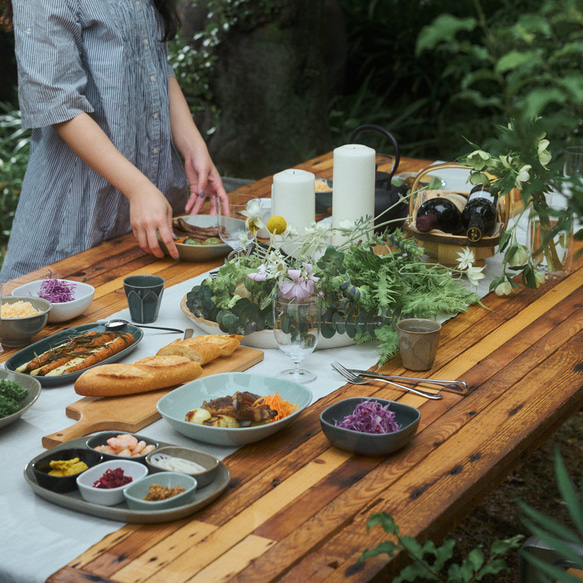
(296, 325)
(232, 228)
(573, 161)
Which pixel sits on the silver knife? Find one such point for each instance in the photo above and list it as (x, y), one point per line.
(458, 387)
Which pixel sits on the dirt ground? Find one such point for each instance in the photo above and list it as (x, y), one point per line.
(534, 482)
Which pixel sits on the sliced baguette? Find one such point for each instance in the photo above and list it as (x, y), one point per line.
(148, 374)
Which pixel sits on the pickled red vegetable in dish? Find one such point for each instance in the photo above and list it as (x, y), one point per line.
(112, 479)
(370, 417)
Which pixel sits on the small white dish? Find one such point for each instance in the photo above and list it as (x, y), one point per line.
(108, 496)
(61, 311)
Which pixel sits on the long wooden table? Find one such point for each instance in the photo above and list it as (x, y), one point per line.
(297, 507)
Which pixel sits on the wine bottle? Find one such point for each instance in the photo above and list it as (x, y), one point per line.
(479, 215)
(443, 212)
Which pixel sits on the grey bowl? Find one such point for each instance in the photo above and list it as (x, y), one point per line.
(33, 389)
(367, 443)
(19, 331)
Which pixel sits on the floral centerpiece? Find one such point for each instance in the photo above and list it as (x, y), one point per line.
(366, 283)
(524, 162)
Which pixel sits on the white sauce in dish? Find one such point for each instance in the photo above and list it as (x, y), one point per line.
(176, 464)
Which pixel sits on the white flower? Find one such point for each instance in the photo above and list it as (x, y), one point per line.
(243, 238)
(539, 277)
(503, 289)
(478, 159)
(346, 225)
(519, 257)
(253, 214)
(474, 274)
(466, 258)
(523, 176)
(544, 155)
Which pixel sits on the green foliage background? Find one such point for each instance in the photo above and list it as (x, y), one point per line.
(433, 72)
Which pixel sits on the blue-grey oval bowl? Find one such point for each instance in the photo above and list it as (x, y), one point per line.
(368, 443)
(174, 406)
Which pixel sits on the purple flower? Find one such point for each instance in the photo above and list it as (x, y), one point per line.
(259, 275)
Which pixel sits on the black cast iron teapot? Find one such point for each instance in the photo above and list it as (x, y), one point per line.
(387, 195)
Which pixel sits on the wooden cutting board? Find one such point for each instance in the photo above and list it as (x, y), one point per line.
(134, 412)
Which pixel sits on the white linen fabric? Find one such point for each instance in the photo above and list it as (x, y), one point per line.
(103, 58)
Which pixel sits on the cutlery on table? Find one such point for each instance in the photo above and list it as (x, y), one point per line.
(459, 387)
(358, 380)
(115, 324)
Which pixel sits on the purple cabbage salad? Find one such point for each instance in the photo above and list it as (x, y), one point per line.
(57, 291)
(370, 417)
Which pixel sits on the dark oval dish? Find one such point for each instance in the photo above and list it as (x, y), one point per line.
(28, 353)
(61, 484)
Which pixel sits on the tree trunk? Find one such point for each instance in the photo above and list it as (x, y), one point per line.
(270, 86)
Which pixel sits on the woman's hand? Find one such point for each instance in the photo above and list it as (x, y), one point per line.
(150, 214)
(205, 182)
(203, 178)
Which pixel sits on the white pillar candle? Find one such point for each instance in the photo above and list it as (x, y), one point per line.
(293, 197)
(353, 185)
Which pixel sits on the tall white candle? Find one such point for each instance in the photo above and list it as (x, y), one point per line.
(293, 197)
(353, 185)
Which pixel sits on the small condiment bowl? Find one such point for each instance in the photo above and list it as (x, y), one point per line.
(135, 493)
(19, 331)
(61, 311)
(109, 496)
(203, 477)
(102, 437)
(61, 484)
(369, 443)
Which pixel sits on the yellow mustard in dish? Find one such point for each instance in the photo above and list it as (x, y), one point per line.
(67, 467)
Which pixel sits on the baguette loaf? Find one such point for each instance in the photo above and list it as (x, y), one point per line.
(144, 375)
(204, 348)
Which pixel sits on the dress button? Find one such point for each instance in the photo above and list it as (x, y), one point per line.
(28, 30)
(138, 3)
(146, 42)
(153, 78)
(154, 151)
(156, 115)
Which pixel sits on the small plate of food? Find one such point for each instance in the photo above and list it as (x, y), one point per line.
(64, 356)
(197, 238)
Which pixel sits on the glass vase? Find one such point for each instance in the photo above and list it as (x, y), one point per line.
(549, 236)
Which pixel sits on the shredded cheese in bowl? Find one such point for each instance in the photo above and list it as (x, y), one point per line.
(19, 309)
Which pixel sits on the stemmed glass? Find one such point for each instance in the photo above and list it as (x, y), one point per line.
(573, 165)
(232, 228)
(296, 325)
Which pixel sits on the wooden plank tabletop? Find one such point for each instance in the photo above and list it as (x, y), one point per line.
(297, 507)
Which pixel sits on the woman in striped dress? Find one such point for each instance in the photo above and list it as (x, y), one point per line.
(114, 145)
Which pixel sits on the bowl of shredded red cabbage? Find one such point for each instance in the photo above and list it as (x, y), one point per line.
(69, 299)
(369, 426)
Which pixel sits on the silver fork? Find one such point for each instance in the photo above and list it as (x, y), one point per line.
(358, 380)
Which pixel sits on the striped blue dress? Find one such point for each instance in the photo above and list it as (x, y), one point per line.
(105, 58)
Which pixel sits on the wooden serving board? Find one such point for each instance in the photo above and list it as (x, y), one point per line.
(134, 412)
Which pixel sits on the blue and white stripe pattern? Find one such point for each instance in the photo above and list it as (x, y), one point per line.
(105, 58)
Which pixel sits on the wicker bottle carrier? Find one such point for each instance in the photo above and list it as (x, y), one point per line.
(444, 247)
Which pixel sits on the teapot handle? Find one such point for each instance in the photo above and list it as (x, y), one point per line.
(386, 133)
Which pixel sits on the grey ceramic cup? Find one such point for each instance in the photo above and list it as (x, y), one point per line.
(418, 342)
(144, 294)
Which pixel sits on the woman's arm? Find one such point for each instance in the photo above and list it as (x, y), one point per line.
(150, 212)
(200, 170)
